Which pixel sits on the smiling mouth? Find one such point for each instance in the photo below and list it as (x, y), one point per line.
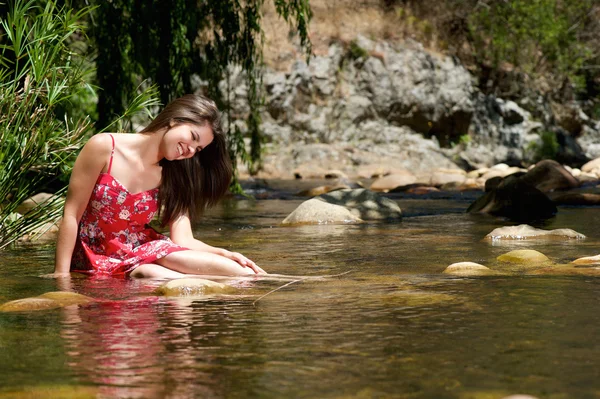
(180, 149)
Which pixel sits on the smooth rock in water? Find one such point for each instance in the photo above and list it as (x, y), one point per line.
(29, 304)
(587, 260)
(467, 269)
(193, 287)
(576, 199)
(422, 190)
(66, 298)
(591, 165)
(523, 256)
(519, 396)
(442, 177)
(392, 181)
(344, 206)
(313, 192)
(317, 211)
(549, 175)
(516, 200)
(526, 232)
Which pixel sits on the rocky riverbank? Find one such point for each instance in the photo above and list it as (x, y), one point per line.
(371, 108)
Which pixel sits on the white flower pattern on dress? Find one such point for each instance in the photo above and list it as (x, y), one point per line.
(114, 237)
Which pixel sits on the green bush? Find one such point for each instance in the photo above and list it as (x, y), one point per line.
(43, 78)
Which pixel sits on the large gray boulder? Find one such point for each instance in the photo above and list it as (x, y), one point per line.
(344, 206)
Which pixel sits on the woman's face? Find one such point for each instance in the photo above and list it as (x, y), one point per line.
(183, 140)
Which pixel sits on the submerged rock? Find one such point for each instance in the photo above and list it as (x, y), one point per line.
(344, 206)
(193, 287)
(49, 300)
(66, 298)
(523, 256)
(587, 260)
(467, 269)
(526, 232)
(29, 304)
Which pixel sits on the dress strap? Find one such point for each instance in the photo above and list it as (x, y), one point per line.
(111, 153)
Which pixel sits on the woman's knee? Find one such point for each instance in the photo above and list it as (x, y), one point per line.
(151, 270)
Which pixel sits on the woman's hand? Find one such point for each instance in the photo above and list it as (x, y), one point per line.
(243, 261)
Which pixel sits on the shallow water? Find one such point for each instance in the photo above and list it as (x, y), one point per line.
(394, 326)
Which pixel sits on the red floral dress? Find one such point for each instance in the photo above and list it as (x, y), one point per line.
(114, 237)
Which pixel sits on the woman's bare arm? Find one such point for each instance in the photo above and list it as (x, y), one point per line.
(181, 234)
(91, 161)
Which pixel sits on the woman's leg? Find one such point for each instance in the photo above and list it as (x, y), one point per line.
(151, 270)
(203, 263)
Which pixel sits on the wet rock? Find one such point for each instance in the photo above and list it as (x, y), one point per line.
(335, 174)
(591, 165)
(422, 190)
(548, 175)
(32, 202)
(576, 199)
(313, 192)
(516, 200)
(523, 256)
(467, 269)
(344, 206)
(193, 287)
(587, 260)
(392, 181)
(64, 298)
(29, 304)
(49, 300)
(317, 211)
(526, 232)
(442, 177)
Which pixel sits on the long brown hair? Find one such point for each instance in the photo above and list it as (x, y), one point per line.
(191, 185)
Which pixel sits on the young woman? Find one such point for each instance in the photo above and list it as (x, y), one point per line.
(176, 167)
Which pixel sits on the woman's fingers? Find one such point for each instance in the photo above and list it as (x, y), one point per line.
(242, 260)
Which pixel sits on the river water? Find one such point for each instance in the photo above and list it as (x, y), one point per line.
(392, 326)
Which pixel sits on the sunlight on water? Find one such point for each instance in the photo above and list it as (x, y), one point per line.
(392, 326)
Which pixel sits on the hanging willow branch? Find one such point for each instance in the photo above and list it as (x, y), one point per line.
(171, 41)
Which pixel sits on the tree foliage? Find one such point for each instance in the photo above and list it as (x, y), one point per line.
(43, 76)
(174, 42)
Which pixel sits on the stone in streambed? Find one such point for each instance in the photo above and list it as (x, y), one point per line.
(523, 256)
(29, 304)
(313, 192)
(49, 300)
(587, 260)
(193, 287)
(317, 211)
(467, 269)
(344, 206)
(393, 181)
(66, 298)
(526, 232)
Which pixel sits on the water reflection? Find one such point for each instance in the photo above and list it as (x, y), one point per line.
(140, 347)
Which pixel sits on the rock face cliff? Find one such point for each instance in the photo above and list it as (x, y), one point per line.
(374, 104)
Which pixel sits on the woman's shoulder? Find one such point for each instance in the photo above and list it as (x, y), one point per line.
(100, 142)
